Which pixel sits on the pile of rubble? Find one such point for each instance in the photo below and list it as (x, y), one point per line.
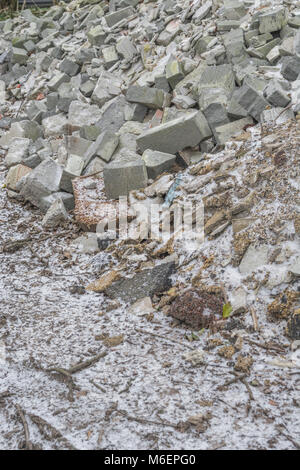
(114, 98)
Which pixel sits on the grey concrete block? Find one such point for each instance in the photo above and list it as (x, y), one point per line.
(224, 133)
(150, 97)
(96, 36)
(110, 56)
(55, 215)
(41, 182)
(19, 56)
(135, 112)
(107, 87)
(57, 79)
(251, 100)
(122, 177)
(272, 20)
(17, 152)
(81, 114)
(186, 131)
(69, 67)
(90, 132)
(126, 48)
(47, 201)
(216, 115)
(219, 76)
(174, 73)
(157, 162)
(116, 16)
(290, 69)
(73, 169)
(276, 95)
(112, 118)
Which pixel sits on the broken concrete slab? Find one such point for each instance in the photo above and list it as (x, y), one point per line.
(144, 283)
(174, 73)
(118, 15)
(96, 36)
(55, 125)
(107, 87)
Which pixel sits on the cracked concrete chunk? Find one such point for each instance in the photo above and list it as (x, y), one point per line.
(55, 215)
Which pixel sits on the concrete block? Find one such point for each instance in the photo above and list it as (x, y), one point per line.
(17, 152)
(216, 115)
(41, 182)
(186, 131)
(47, 201)
(57, 79)
(19, 56)
(55, 125)
(69, 67)
(122, 177)
(55, 215)
(14, 175)
(150, 97)
(251, 100)
(108, 86)
(276, 95)
(272, 20)
(135, 112)
(126, 48)
(116, 16)
(82, 114)
(157, 162)
(110, 56)
(73, 169)
(104, 147)
(224, 133)
(174, 73)
(290, 69)
(216, 76)
(96, 36)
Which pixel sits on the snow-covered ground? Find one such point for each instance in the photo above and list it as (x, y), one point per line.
(142, 393)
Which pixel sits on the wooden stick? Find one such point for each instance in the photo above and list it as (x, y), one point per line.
(28, 444)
